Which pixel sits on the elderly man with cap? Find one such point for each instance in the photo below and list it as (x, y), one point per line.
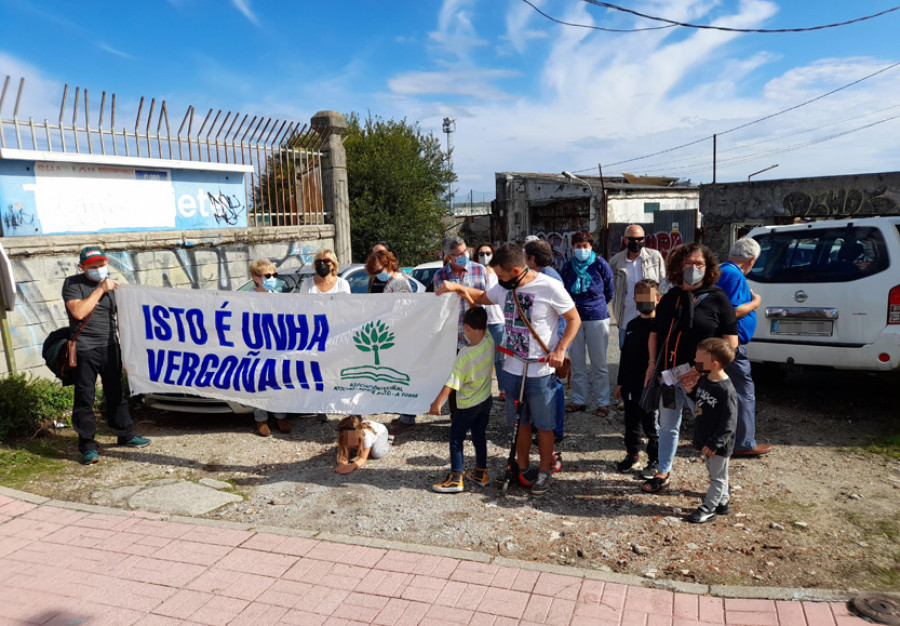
(629, 266)
(91, 305)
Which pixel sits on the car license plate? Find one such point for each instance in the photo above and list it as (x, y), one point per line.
(816, 328)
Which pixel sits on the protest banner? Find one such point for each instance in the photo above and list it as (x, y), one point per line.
(295, 353)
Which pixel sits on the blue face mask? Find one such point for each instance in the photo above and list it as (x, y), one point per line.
(272, 284)
(462, 260)
(383, 276)
(98, 274)
(582, 254)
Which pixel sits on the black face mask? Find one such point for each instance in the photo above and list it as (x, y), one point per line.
(700, 367)
(512, 284)
(323, 269)
(645, 308)
(635, 246)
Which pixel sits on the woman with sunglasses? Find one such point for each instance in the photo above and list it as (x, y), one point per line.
(265, 277)
(325, 280)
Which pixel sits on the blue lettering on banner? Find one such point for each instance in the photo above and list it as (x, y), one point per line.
(251, 373)
(283, 331)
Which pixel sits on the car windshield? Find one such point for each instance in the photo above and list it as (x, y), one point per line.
(821, 255)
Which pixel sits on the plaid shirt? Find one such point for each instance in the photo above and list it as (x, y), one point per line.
(474, 276)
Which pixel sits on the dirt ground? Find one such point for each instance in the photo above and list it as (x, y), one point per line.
(819, 511)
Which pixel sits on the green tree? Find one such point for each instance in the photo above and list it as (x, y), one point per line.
(397, 176)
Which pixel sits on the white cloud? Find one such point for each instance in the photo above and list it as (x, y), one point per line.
(518, 33)
(115, 51)
(38, 94)
(244, 7)
(468, 83)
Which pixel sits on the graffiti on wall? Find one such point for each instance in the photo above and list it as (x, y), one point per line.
(663, 242)
(846, 201)
(561, 243)
(15, 217)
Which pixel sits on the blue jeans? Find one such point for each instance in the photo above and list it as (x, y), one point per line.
(670, 426)
(739, 373)
(462, 421)
(560, 400)
(592, 339)
(497, 331)
(540, 399)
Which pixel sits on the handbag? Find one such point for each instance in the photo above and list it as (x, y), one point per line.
(649, 400)
(564, 370)
(60, 354)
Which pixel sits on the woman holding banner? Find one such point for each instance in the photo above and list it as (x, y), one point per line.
(265, 277)
(325, 280)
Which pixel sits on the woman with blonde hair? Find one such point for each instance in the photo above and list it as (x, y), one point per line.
(325, 280)
(369, 439)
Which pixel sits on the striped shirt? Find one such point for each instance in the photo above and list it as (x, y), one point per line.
(471, 375)
(474, 276)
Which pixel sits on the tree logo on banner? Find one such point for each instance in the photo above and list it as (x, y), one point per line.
(374, 337)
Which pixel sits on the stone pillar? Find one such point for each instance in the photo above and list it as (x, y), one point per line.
(334, 180)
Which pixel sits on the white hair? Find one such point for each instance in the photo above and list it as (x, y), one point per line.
(744, 248)
(451, 243)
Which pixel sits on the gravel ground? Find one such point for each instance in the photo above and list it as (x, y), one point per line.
(816, 512)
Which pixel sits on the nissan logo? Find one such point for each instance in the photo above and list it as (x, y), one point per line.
(800, 296)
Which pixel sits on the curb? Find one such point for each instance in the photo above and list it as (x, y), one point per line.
(718, 591)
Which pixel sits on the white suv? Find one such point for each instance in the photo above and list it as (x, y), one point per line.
(830, 294)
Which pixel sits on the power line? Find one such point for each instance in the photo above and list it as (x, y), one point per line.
(591, 26)
(728, 29)
(756, 121)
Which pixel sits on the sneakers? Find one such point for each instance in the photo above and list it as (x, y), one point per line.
(527, 478)
(723, 508)
(284, 426)
(479, 476)
(133, 442)
(542, 484)
(90, 457)
(629, 464)
(262, 429)
(701, 515)
(453, 484)
(650, 471)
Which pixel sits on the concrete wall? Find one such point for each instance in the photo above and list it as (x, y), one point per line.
(729, 206)
(630, 210)
(206, 259)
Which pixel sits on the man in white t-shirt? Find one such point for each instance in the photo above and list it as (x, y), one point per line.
(544, 301)
(629, 266)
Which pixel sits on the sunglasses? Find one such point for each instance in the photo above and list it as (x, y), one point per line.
(634, 238)
(268, 275)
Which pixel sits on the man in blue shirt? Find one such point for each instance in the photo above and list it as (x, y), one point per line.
(741, 257)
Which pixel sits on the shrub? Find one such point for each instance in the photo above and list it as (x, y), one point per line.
(25, 401)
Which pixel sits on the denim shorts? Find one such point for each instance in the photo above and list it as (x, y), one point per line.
(539, 400)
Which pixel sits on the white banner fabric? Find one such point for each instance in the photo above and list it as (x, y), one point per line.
(361, 353)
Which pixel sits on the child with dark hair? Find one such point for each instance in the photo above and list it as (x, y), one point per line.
(471, 379)
(630, 383)
(715, 402)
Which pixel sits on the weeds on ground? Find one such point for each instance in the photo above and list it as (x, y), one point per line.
(18, 465)
(888, 446)
(26, 401)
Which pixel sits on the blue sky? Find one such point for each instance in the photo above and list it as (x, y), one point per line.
(527, 94)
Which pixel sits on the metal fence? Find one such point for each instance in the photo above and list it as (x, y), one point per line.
(283, 189)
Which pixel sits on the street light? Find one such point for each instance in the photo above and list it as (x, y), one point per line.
(449, 127)
(771, 167)
(571, 176)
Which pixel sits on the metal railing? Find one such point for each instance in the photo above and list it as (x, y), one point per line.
(284, 187)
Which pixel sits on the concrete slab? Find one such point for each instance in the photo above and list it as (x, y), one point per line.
(171, 496)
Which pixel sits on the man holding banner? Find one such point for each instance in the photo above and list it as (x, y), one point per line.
(91, 305)
(543, 300)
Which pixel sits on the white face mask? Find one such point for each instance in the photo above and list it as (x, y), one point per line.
(485, 257)
(98, 274)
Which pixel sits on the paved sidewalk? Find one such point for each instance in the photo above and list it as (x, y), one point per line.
(63, 563)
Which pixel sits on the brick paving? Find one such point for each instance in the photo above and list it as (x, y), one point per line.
(61, 566)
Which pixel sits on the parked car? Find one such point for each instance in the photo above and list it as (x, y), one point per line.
(425, 272)
(830, 294)
(355, 274)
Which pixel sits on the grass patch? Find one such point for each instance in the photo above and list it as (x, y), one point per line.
(888, 446)
(38, 458)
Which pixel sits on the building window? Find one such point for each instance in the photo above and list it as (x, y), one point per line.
(651, 207)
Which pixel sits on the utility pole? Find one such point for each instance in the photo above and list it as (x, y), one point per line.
(449, 128)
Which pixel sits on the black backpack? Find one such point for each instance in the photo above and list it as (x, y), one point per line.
(56, 354)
